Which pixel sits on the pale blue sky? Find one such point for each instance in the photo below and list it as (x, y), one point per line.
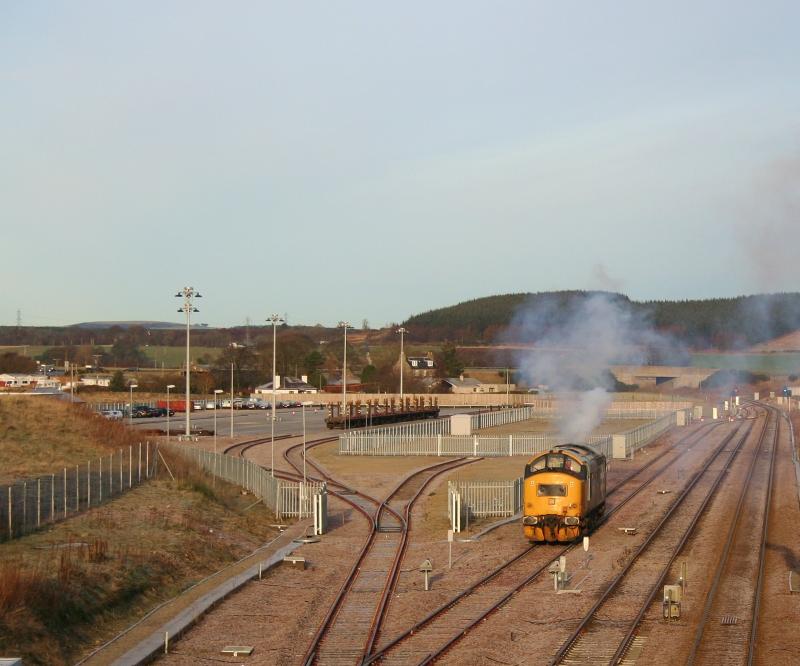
(373, 160)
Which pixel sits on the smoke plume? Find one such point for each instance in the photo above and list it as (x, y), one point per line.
(575, 341)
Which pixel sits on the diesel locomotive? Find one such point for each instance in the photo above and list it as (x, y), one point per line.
(564, 493)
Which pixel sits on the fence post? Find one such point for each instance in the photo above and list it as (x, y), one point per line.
(77, 489)
(39, 502)
(439, 444)
(510, 445)
(65, 492)
(88, 483)
(140, 463)
(147, 459)
(130, 466)
(475, 446)
(10, 512)
(52, 498)
(100, 484)
(120, 471)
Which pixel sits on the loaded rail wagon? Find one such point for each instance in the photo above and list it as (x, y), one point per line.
(564, 493)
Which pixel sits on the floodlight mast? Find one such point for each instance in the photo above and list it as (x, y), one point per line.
(274, 320)
(345, 325)
(402, 331)
(188, 294)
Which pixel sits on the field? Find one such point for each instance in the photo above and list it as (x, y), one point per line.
(158, 355)
(779, 363)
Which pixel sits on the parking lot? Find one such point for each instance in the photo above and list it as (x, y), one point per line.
(255, 421)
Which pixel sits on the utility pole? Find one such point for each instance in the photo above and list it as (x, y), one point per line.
(188, 294)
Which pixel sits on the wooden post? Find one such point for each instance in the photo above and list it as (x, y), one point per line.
(65, 492)
(52, 498)
(100, 485)
(39, 502)
(88, 483)
(10, 512)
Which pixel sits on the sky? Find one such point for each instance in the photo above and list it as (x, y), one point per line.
(373, 160)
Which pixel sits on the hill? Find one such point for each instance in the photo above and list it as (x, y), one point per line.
(719, 323)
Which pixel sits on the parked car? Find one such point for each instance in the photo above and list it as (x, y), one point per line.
(161, 411)
(112, 414)
(142, 411)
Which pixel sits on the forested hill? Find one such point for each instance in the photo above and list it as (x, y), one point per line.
(721, 323)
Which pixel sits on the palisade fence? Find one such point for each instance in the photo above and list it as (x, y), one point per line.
(286, 499)
(400, 441)
(482, 499)
(30, 504)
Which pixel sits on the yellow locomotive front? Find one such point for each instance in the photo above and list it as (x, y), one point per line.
(564, 493)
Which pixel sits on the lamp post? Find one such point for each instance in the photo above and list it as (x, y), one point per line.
(345, 325)
(169, 386)
(402, 331)
(216, 393)
(274, 320)
(130, 404)
(508, 386)
(188, 294)
(231, 399)
(303, 407)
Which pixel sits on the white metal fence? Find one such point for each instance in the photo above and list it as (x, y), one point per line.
(30, 504)
(482, 499)
(623, 444)
(286, 499)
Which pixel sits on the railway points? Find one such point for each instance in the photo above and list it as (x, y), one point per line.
(364, 614)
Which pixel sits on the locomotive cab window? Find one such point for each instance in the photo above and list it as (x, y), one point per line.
(551, 490)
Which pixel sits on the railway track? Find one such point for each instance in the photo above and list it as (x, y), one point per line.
(242, 447)
(723, 636)
(353, 621)
(604, 633)
(440, 630)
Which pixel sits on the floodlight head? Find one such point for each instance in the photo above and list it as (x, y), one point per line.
(179, 294)
(180, 309)
(218, 391)
(198, 295)
(133, 386)
(170, 385)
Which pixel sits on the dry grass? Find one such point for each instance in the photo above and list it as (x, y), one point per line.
(41, 435)
(80, 582)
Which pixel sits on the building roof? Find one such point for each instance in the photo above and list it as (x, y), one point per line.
(288, 383)
(420, 362)
(462, 381)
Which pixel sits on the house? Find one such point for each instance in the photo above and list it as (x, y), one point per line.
(334, 384)
(20, 380)
(287, 385)
(96, 380)
(422, 366)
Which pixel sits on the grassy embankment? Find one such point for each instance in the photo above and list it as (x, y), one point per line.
(81, 581)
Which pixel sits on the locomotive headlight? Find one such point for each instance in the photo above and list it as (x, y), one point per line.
(572, 520)
(530, 520)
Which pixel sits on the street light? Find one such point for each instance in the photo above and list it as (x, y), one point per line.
(130, 404)
(231, 399)
(345, 325)
(216, 393)
(169, 386)
(274, 320)
(303, 407)
(402, 331)
(188, 294)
